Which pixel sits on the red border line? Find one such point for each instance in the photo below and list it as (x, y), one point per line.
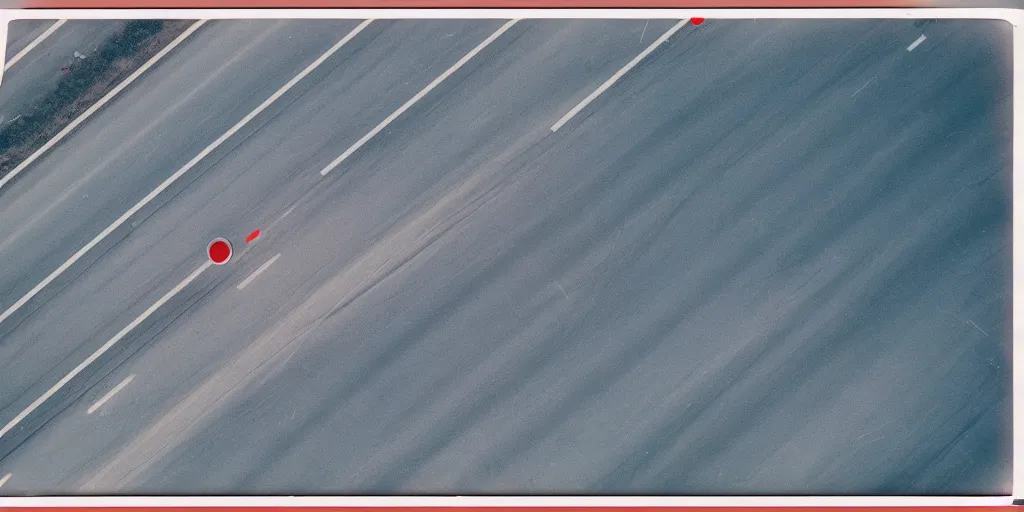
(462, 4)
(513, 509)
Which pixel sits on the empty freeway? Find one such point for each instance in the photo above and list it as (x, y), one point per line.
(508, 256)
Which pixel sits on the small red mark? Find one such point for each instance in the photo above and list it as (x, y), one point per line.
(64, 69)
(696, 21)
(252, 236)
(219, 251)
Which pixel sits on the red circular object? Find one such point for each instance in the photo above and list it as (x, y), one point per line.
(696, 21)
(219, 251)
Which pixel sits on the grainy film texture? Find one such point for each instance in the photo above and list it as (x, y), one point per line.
(768, 257)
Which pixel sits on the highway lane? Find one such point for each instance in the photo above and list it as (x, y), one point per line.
(86, 182)
(383, 57)
(22, 32)
(39, 71)
(730, 269)
(397, 57)
(151, 114)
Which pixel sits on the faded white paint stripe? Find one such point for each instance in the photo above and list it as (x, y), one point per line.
(258, 271)
(103, 349)
(437, 81)
(99, 104)
(110, 394)
(917, 43)
(174, 177)
(618, 75)
(35, 42)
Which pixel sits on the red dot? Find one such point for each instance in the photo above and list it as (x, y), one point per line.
(696, 21)
(219, 251)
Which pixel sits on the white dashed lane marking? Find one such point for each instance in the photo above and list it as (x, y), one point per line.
(110, 394)
(917, 43)
(258, 271)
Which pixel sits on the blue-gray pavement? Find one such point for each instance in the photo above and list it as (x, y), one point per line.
(773, 258)
(22, 32)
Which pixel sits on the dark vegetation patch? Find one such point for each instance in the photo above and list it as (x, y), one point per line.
(85, 81)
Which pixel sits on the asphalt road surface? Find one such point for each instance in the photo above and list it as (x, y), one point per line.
(772, 258)
(37, 72)
(22, 32)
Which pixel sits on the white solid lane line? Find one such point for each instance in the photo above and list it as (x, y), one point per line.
(916, 43)
(178, 174)
(5, 479)
(437, 81)
(618, 74)
(106, 346)
(258, 271)
(99, 104)
(110, 394)
(35, 42)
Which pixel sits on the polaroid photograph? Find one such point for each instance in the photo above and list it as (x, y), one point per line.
(573, 257)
